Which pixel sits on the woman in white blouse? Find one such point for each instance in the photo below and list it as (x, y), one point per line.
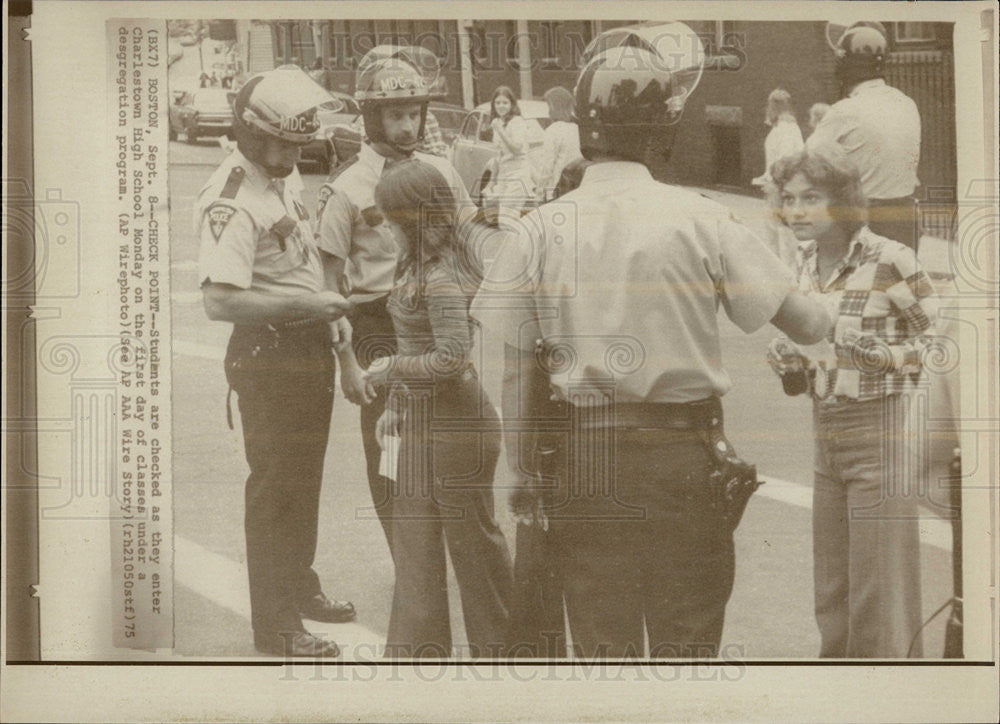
(562, 141)
(513, 186)
(784, 138)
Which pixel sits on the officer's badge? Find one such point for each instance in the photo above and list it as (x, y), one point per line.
(218, 218)
(372, 216)
(324, 194)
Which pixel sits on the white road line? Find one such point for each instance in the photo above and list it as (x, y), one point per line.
(933, 531)
(224, 582)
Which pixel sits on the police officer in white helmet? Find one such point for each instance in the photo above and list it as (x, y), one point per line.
(877, 126)
(634, 480)
(260, 270)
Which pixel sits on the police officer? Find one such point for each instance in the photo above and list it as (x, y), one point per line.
(394, 86)
(260, 270)
(878, 127)
(625, 276)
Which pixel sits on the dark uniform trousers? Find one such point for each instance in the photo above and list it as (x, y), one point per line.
(284, 379)
(374, 336)
(449, 451)
(638, 535)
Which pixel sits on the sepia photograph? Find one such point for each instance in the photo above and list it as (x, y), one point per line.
(395, 353)
(731, 146)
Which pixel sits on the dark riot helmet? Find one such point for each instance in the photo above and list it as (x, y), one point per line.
(393, 75)
(633, 87)
(860, 48)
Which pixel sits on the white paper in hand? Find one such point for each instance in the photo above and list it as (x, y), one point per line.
(389, 463)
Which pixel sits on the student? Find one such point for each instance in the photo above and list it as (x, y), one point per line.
(866, 543)
(450, 432)
(513, 186)
(562, 140)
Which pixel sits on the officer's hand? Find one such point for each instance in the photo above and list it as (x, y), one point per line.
(785, 356)
(526, 503)
(377, 373)
(342, 332)
(356, 389)
(327, 305)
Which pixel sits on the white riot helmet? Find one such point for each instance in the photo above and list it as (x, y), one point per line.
(280, 103)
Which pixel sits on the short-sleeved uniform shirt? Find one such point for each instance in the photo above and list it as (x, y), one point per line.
(352, 228)
(255, 231)
(626, 276)
(878, 127)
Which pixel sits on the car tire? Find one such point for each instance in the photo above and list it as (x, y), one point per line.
(191, 135)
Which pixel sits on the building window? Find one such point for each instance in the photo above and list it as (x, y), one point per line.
(550, 43)
(914, 32)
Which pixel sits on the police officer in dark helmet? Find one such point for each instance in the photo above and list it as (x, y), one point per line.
(640, 492)
(877, 126)
(260, 270)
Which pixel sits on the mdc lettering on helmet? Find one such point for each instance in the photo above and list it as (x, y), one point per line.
(401, 82)
(299, 124)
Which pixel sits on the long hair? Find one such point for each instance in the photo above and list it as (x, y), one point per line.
(828, 169)
(779, 104)
(560, 102)
(515, 110)
(416, 197)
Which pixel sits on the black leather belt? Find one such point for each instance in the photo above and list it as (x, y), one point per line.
(698, 415)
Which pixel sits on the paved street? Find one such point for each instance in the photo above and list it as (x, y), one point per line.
(769, 615)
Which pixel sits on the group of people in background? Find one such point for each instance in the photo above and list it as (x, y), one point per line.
(388, 277)
(516, 183)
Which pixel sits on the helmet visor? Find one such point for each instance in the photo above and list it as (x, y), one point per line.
(284, 104)
(674, 48)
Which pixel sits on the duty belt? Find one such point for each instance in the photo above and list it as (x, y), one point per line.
(698, 415)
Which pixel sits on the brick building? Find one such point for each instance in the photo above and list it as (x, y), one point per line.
(720, 141)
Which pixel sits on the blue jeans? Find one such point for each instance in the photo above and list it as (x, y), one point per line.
(866, 545)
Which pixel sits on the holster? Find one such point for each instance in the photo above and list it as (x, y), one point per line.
(733, 480)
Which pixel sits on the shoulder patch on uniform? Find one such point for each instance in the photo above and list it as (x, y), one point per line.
(232, 186)
(218, 217)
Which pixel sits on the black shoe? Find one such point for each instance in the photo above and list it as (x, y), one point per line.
(321, 608)
(295, 643)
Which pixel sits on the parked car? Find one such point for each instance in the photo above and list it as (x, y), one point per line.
(474, 148)
(201, 112)
(341, 109)
(347, 136)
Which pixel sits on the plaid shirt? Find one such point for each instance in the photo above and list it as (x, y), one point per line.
(433, 141)
(877, 289)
